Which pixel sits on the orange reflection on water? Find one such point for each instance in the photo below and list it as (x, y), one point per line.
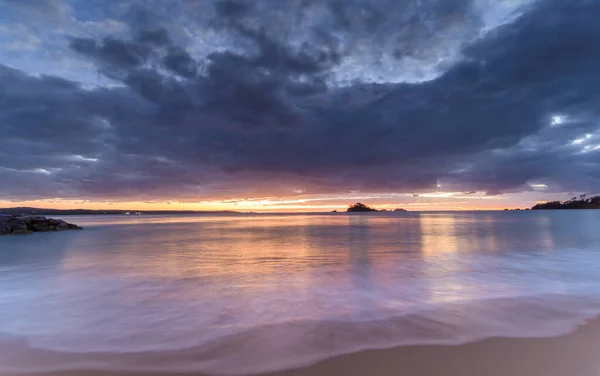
(245, 256)
(206, 247)
(254, 253)
(444, 238)
(438, 234)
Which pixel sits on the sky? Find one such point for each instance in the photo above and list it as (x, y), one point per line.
(288, 105)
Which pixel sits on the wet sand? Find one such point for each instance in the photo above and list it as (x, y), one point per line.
(576, 354)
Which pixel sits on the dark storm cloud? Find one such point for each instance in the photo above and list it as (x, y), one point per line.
(113, 52)
(179, 61)
(265, 116)
(158, 37)
(230, 9)
(549, 157)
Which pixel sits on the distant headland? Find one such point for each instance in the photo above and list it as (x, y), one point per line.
(583, 202)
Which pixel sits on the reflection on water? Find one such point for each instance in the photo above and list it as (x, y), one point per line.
(262, 250)
(438, 235)
(151, 282)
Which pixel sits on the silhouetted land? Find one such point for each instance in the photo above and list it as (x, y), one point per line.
(42, 211)
(360, 207)
(583, 202)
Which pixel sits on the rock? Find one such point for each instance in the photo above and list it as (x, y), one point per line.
(5, 229)
(31, 219)
(29, 224)
(63, 226)
(27, 218)
(22, 232)
(42, 227)
(17, 226)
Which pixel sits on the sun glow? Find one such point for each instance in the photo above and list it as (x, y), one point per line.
(426, 201)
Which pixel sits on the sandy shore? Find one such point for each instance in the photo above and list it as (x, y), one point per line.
(576, 354)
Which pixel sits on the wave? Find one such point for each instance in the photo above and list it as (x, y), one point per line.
(300, 343)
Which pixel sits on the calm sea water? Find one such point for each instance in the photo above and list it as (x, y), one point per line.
(243, 294)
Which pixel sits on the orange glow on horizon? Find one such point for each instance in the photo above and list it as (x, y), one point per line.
(268, 205)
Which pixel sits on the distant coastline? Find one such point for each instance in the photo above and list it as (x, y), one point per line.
(42, 211)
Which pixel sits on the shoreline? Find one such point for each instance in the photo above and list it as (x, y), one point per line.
(574, 354)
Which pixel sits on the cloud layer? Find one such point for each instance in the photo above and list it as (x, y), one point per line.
(271, 98)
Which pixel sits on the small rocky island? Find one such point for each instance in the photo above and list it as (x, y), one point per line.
(22, 225)
(361, 208)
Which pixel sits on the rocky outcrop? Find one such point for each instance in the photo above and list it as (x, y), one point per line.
(14, 225)
(360, 207)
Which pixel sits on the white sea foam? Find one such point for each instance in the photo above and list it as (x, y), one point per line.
(293, 344)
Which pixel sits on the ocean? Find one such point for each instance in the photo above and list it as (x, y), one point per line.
(240, 294)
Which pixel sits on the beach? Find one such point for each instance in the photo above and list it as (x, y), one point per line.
(575, 354)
